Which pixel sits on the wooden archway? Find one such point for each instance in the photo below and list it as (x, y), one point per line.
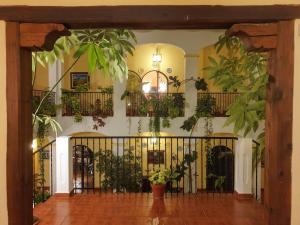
(277, 38)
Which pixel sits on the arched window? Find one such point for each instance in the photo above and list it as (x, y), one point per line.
(155, 81)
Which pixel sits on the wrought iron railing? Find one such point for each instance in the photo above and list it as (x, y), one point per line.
(87, 103)
(49, 107)
(135, 103)
(43, 185)
(123, 164)
(222, 101)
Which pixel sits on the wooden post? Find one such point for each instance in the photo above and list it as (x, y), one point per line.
(278, 40)
(20, 40)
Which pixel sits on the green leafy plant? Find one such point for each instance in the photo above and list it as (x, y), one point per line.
(162, 176)
(122, 173)
(238, 69)
(38, 193)
(106, 50)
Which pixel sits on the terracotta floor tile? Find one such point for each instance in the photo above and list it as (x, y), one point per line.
(140, 209)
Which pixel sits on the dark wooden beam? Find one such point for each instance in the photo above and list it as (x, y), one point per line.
(41, 36)
(19, 128)
(256, 37)
(150, 17)
(279, 123)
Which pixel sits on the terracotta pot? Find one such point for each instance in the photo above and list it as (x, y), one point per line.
(158, 190)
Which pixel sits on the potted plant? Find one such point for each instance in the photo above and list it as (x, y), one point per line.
(159, 179)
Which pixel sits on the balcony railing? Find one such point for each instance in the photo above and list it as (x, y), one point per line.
(42, 173)
(88, 103)
(48, 105)
(223, 101)
(135, 103)
(124, 164)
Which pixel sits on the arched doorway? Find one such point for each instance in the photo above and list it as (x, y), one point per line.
(220, 169)
(83, 168)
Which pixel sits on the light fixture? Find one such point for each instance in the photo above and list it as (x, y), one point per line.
(34, 144)
(162, 87)
(146, 87)
(156, 58)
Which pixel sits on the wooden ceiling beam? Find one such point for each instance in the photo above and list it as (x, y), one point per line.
(41, 36)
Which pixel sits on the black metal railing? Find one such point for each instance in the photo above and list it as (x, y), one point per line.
(222, 101)
(136, 103)
(49, 107)
(43, 173)
(123, 164)
(87, 103)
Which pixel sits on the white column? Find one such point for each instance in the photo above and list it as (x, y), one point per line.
(54, 73)
(243, 166)
(64, 166)
(191, 65)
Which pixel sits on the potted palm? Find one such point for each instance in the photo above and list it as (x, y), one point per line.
(159, 179)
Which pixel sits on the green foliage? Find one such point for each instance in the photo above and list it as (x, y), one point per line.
(43, 123)
(219, 181)
(204, 108)
(181, 166)
(71, 101)
(122, 173)
(243, 71)
(106, 50)
(62, 46)
(162, 176)
(38, 194)
(200, 84)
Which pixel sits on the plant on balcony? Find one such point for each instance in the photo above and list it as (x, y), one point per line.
(121, 173)
(106, 50)
(245, 71)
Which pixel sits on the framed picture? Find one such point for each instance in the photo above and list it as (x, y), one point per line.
(156, 157)
(79, 78)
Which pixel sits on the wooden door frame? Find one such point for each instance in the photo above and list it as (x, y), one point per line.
(20, 42)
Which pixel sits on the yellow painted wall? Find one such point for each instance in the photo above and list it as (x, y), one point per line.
(97, 78)
(42, 78)
(296, 135)
(209, 51)
(145, 2)
(3, 129)
(172, 57)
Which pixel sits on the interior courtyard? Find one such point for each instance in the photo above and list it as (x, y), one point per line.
(187, 121)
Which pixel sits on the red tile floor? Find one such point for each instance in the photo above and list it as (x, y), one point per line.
(140, 209)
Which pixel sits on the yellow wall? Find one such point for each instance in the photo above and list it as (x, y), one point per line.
(97, 78)
(172, 57)
(209, 51)
(145, 2)
(3, 130)
(296, 140)
(42, 78)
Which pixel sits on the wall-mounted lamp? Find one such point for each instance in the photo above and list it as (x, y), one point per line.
(156, 58)
(146, 87)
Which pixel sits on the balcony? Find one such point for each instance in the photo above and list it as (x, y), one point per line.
(49, 104)
(87, 103)
(142, 105)
(223, 101)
